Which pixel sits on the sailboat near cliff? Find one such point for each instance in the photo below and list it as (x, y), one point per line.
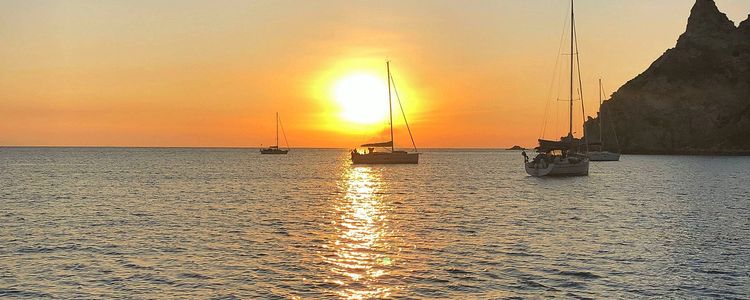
(275, 149)
(563, 157)
(393, 156)
(601, 154)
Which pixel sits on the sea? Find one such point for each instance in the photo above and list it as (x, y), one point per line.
(192, 223)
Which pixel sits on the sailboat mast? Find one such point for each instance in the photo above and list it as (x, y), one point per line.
(601, 115)
(390, 106)
(277, 129)
(572, 22)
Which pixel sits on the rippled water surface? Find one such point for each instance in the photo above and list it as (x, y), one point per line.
(231, 223)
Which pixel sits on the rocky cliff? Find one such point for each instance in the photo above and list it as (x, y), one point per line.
(694, 99)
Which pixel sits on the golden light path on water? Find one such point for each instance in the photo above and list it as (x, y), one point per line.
(359, 256)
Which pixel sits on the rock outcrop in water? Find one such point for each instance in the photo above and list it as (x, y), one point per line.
(694, 99)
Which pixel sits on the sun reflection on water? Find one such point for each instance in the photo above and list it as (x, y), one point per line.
(362, 249)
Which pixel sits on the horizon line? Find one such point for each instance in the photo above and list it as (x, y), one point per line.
(236, 147)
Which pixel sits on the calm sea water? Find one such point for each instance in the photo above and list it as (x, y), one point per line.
(232, 224)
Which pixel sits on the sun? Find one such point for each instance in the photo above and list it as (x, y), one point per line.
(362, 98)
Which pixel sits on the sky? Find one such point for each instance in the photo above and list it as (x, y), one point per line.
(214, 73)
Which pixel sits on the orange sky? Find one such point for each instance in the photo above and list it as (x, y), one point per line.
(213, 73)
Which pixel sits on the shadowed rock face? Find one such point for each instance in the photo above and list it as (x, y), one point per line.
(744, 28)
(694, 99)
(706, 21)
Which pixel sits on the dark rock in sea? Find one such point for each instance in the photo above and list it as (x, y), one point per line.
(694, 99)
(519, 148)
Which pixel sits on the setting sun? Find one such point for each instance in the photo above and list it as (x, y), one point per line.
(362, 98)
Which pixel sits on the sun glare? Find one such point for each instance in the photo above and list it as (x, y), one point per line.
(362, 98)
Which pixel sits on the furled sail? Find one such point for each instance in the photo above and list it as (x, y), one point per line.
(545, 145)
(383, 144)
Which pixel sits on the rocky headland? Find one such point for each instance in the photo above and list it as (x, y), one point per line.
(694, 99)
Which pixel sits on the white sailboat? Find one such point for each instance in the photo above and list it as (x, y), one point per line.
(561, 158)
(387, 157)
(275, 149)
(601, 154)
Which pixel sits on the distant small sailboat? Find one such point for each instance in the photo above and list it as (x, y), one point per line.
(561, 158)
(275, 149)
(393, 156)
(601, 154)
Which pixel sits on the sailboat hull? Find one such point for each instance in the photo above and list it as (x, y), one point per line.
(273, 151)
(564, 167)
(603, 156)
(382, 158)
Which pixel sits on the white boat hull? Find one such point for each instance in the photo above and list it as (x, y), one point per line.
(379, 158)
(564, 167)
(603, 156)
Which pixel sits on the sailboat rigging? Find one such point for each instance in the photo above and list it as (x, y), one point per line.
(393, 156)
(275, 149)
(601, 154)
